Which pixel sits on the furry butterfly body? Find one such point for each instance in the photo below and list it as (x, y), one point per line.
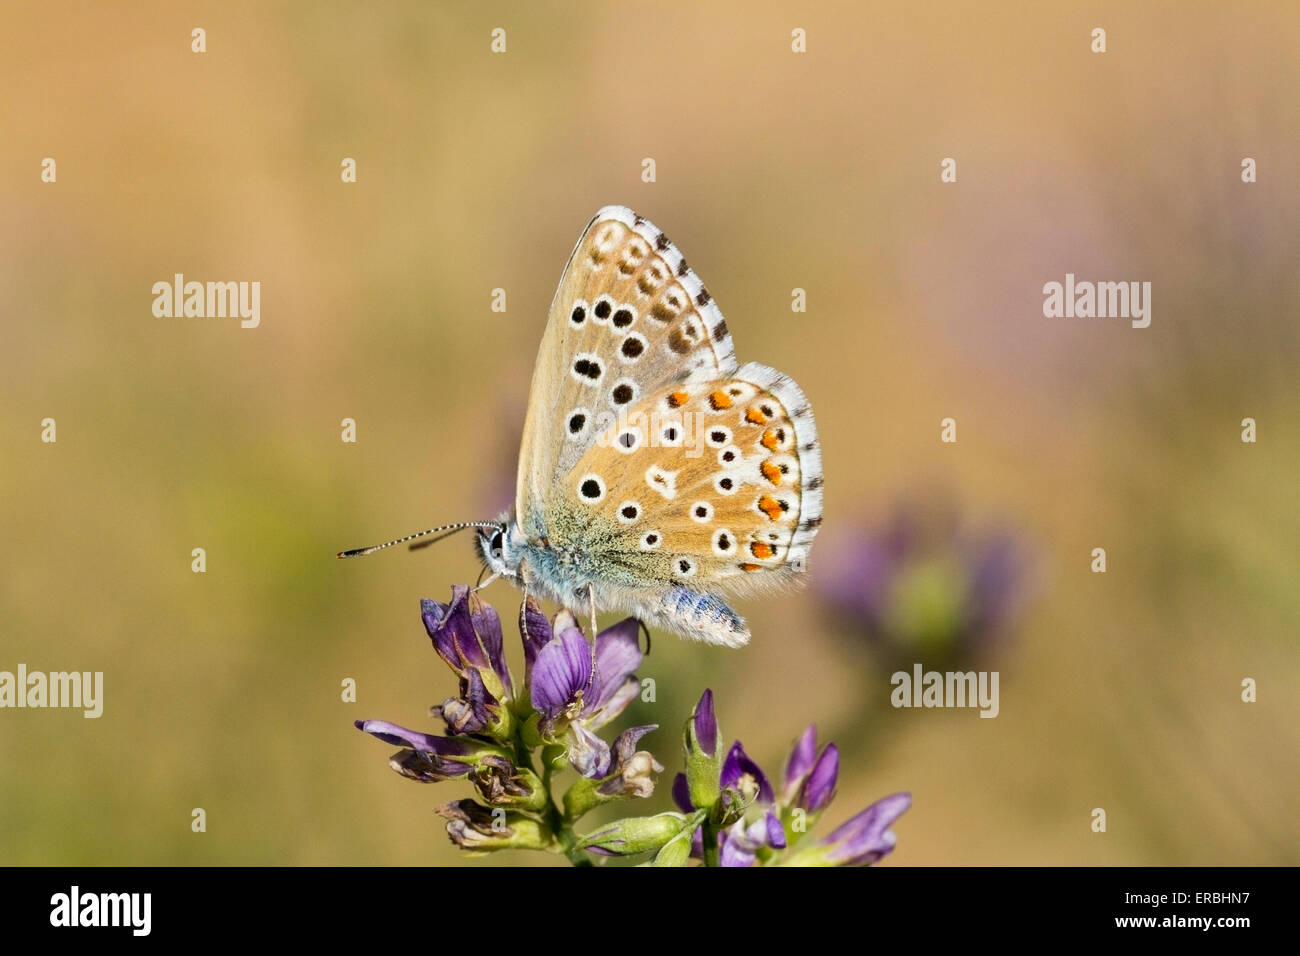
(655, 474)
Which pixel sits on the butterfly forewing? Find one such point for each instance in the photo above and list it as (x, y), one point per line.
(629, 318)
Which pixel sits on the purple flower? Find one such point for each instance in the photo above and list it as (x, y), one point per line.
(575, 695)
(741, 845)
(751, 825)
(820, 788)
(800, 764)
(534, 631)
(426, 758)
(741, 784)
(705, 722)
(744, 777)
(467, 634)
(561, 676)
(469, 713)
(632, 773)
(865, 838)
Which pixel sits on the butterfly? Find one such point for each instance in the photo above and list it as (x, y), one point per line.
(655, 474)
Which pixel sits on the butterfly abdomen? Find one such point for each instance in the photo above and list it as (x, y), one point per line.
(704, 617)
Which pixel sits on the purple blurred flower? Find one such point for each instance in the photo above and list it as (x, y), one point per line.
(920, 584)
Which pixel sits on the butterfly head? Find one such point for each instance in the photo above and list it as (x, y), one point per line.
(499, 547)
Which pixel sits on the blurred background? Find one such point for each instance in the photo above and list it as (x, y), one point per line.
(775, 170)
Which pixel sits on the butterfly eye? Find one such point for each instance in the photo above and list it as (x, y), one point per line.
(497, 543)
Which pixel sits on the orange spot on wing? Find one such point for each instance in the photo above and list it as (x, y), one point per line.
(719, 400)
(769, 440)
(770, 507)
(678, 399)
(755, 417)
(751, 567)
(761, 550)
(771, 472)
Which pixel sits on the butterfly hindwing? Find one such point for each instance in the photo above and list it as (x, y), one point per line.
(703, 485)
(628, 318)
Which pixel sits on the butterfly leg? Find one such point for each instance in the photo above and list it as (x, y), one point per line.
(591, 607)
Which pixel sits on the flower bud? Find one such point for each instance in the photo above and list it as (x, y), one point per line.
(635, 834)
(472, 826)
(502, 784)
(703, 758)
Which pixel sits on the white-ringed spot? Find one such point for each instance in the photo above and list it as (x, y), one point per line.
(588, 368)
(578, 314)
(624, 392)
(672, 433)
(577, 423)
(628, 440)
(632, 347)
(591, 488)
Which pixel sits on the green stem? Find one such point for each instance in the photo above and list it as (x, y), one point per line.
(561, 827)
(710, 844)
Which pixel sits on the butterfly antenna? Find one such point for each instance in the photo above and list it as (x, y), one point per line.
(449, 529)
